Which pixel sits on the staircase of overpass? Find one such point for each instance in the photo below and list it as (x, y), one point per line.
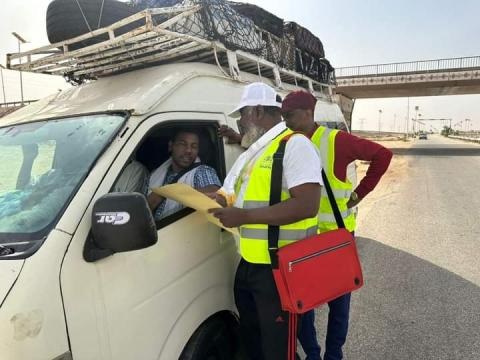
(454, 76)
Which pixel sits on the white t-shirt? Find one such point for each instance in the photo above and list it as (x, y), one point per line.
(301, 165)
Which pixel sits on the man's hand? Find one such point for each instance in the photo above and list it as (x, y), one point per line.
(217, 197)
(154, 200)
(230, 217)
(352, 203)
(232, 136)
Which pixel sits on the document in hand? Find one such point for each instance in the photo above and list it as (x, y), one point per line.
(194, 199)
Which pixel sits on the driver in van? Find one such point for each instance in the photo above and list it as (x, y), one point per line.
(183, 166)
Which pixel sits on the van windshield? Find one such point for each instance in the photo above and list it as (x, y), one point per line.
(42, 163)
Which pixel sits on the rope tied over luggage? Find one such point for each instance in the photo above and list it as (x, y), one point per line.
(101, 13)
(236, 26)
(83, 14)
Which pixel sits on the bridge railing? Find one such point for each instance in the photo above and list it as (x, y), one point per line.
(16, 103)
(409, 67)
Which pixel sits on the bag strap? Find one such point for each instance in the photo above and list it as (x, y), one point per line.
(292, 336)
(333, 203)
(275, 197)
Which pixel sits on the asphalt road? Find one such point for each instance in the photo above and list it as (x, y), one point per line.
(419, 243)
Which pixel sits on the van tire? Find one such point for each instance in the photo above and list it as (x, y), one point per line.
(215, 339)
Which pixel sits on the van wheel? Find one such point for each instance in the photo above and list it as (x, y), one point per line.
(215, 339)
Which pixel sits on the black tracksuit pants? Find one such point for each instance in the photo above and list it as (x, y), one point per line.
(263, 324)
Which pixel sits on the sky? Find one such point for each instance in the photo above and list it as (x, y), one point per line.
(353, 32)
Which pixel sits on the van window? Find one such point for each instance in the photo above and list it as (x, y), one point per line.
(45, 162)
(204, 172)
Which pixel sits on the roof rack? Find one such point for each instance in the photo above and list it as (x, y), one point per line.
(151, 44)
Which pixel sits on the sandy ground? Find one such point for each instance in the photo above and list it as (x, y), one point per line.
(397, 169)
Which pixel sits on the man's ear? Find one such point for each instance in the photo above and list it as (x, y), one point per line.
(170, 145)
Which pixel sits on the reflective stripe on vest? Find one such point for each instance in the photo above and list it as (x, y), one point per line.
(285, 234)
(324, 140)
(254, 237)
(252, 204)
(337, 193)
(331, 217)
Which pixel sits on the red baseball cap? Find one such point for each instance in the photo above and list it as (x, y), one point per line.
(298, 100)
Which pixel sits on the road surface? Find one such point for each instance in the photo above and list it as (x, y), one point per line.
(419, 243)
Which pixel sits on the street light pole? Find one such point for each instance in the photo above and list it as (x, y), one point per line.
(467, 123)
(361, 123)
(407, 118)
(3, 84)
(20, 41)
(379, 118)
(414, 124)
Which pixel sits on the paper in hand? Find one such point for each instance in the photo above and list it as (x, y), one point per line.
(194, 199)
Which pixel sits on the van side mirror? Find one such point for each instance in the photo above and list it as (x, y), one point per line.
(120, 222)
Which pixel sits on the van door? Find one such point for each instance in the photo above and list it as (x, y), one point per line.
(146, 304)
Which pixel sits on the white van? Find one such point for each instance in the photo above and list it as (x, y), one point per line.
(78, 279)
(167, 299)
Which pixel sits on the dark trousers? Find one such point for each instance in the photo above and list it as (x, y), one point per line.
(307, 336)
(263, 324)
(337, 330)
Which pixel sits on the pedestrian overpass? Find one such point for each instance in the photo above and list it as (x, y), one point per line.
(454, 76)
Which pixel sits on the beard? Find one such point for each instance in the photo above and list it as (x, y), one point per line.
(252, 134)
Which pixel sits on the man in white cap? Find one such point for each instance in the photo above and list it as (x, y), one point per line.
(246, 194)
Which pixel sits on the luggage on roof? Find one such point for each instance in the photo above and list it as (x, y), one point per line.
(211, 31)
(150, 4)
(217, 20)
(262, 18)
(314, 67)
(304, 39)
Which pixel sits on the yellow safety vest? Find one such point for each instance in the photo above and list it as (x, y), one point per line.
(254, 237)
(324, 140)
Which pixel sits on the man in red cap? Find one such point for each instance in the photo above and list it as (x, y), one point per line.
(337, 150)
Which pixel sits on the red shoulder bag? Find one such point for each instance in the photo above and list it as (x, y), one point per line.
(314, 270)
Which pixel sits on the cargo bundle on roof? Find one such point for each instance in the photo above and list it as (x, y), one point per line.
(93, 42)
(216, 20)
(292, 46)
(261, 17)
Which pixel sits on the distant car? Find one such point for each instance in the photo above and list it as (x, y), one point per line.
(422, 136)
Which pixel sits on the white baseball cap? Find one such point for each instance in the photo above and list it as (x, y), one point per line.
(254, 94)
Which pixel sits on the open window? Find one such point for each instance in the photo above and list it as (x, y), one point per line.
(153, 151)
